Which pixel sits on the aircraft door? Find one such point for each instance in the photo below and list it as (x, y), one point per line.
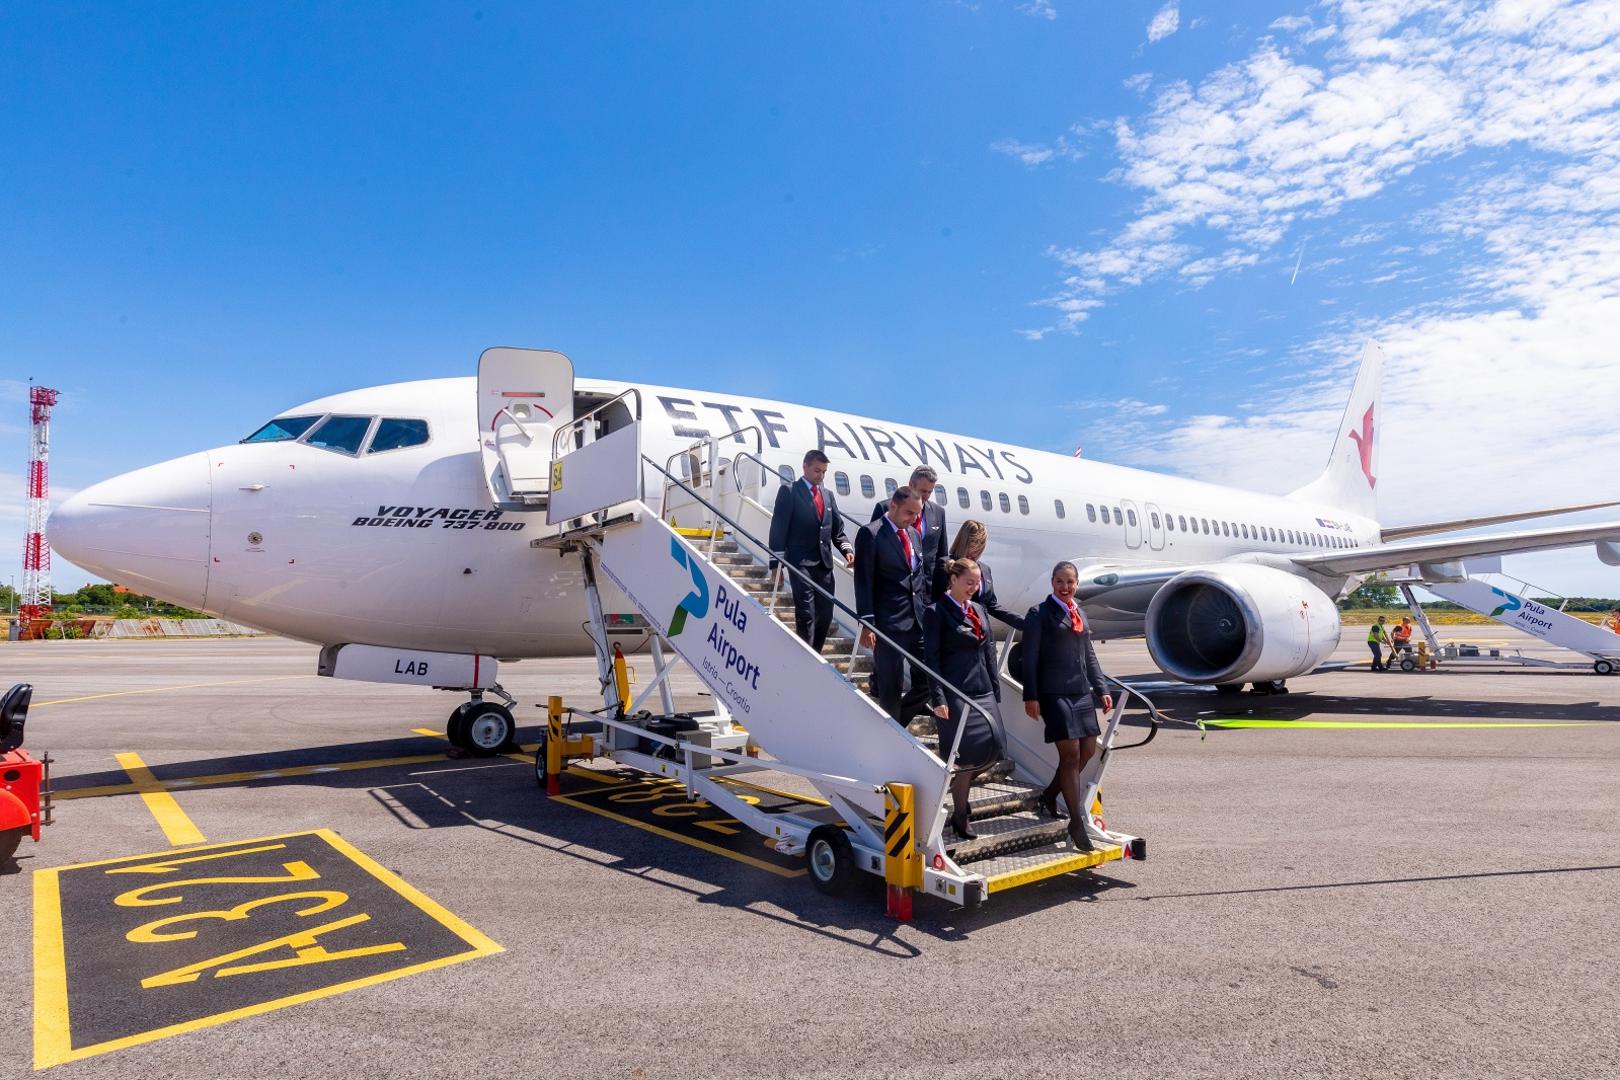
(524, 395)
(1155, 527)
(1133, 523)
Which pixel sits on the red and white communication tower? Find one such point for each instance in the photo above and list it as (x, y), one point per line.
(36, 590)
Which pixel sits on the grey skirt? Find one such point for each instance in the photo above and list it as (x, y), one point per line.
(1068, 717)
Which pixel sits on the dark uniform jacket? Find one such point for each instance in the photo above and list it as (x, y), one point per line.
(953, 651)
(935, 550)
(987, 597)
(888, 592)
(1058, 662)
(797, 535)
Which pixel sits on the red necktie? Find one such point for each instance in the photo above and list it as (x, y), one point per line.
(973, 618)
(905, 544)
(1075, 622)
(821, 508)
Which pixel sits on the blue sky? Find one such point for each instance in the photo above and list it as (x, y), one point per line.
(1054, 223)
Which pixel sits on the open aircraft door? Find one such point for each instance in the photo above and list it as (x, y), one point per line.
(523, 396)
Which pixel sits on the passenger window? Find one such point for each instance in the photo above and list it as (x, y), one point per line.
(1023, 505)
(1006, 503)
(1226, 528)
(1182, 522)
(1154, 517)
(1091, 512)
(1243, 531)
(984, 500)
(940, 496)
(786, 473)
(963, 499)
(1105, 518)
(1131, 515)
(889, 486)
(342, 434)
(1057, 504)
(282, 429)
(868, 490)
(841, 483)
(395, 434)
(1206, 525)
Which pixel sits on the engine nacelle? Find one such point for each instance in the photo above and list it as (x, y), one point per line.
(1240, 623)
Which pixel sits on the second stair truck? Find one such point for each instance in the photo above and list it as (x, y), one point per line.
(706, 592)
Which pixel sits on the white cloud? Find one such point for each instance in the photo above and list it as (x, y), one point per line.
(1039, 9)
(1165, 23)
(1030, 154)
(1139, 82)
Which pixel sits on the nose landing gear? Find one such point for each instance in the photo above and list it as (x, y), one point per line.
(483, 728)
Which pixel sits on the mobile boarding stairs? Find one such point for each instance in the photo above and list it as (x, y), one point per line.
(681, 540)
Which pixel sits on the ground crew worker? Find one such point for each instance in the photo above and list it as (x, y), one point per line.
(1377, 637)
(1613, 621)
(1401, 639)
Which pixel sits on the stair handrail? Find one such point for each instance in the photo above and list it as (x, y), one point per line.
(862, 624)
(578, 421)
(1004, 664)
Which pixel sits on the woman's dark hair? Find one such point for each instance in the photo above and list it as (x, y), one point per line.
(1062, 566)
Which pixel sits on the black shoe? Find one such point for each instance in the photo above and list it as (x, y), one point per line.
(964, 829)
(1048, 804)
(1079, 837)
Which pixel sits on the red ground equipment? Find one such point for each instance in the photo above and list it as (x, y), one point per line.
(25, 781)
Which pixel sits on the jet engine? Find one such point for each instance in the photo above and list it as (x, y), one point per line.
(1236, 623)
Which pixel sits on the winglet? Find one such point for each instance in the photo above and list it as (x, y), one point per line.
(1350, 481)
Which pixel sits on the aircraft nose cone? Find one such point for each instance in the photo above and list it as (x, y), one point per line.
(146, 530)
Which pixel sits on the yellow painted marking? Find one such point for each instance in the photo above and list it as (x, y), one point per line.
(176, 826)
(692, 841)
(1080, 860)
(599, 777)
(52, 1038)
(50, 972)
(258, 774)
(1392, 725)
(810, 799)
(166, 689)
(429, 732)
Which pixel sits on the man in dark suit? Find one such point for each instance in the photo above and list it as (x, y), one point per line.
(891, 591)
(805, 527)
(935, 548)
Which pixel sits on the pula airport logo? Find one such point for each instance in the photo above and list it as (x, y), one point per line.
(1513, 602)
(694, 603)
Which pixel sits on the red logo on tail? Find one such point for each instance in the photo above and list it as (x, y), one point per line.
(1364, 444)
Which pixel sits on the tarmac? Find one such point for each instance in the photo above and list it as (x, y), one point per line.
(1404, 875)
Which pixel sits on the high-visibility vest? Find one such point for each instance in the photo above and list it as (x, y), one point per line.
(1377, 633)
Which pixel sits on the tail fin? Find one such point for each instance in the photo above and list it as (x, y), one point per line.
(1350, 481)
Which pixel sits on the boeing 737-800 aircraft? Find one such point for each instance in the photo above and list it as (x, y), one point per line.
(402, 516)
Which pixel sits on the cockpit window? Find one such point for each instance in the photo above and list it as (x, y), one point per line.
(343, 434)
(282, 429)
(396, 434)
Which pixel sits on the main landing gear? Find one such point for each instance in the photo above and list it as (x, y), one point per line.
(483, 728)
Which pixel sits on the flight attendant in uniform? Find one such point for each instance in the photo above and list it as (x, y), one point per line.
(958, 645)
(971, 540)
(805, 527)
(891, 592)
(1063, 685)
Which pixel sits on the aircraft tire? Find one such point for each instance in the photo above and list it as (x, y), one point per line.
(488, 728)
(455, 729)
(1604, 667)
(831, 859)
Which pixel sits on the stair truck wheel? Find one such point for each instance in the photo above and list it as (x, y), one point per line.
(540, 765)
(831, 859)
(455, 728)
(1604, 667)
(9, 839)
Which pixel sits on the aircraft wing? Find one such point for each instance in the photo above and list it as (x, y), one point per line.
(1390, 556)
(1406, 532)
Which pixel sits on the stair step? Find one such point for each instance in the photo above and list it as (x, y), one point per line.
(992, 798)
(1036, 863)
(1004, 835)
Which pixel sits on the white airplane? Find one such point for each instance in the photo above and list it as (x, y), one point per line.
(401, 517)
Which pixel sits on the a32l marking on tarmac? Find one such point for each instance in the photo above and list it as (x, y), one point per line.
(140, 948)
